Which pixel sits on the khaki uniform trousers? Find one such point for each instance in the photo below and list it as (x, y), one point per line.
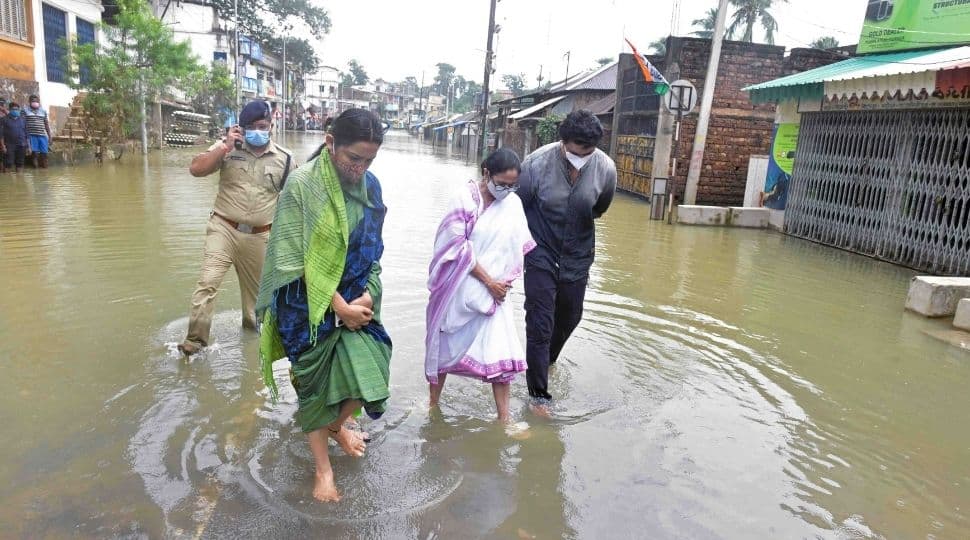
(225, 247)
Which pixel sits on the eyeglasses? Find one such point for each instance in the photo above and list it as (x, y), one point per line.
(505, 187)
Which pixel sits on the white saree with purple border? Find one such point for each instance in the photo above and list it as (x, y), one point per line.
(468, 332)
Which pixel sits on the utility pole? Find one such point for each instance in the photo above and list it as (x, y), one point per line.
(235, 11)
(707, 102)
(567, 56)
(283, 129)
(488, 73)
(424, 117)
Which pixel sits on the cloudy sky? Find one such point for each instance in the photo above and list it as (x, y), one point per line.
(394, 39)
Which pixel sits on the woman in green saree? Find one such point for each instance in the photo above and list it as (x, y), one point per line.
(320, 293)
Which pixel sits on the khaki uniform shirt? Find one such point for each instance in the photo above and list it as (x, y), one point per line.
(249, 184)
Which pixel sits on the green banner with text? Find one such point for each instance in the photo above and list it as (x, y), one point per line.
(893, 25)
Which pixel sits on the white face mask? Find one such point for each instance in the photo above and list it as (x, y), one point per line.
(578, 161)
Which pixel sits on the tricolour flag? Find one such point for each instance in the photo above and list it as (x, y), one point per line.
(650, 74)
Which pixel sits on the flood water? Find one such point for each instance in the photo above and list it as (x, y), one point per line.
(723, 384)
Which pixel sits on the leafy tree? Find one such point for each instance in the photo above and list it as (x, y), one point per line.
(706, 24)
(411, 86)
(515, 83)
(547, 130)
(825, 42)
(442, 81)
(139, 58)
(300, 55)
(659, 46)
(605, 60)
(750, 12)
(256, 16)
(357, 73)
(346, 79)
(210, 89)
(468, 101)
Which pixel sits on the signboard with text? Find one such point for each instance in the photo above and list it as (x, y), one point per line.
(894, 25)
(781, 166)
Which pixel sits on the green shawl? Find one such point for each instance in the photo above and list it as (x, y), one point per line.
(309, 239)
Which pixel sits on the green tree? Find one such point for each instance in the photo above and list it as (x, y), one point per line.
(467, 101)
(547, 130)
(210, 89)
(515, 83)
(824, 42)
(705, 24)
(603, 61)
(357, 73)
(659, 46)
(138, 59)
(260, 18)
(442, 81)
(411, 86)
(748, 14)
(300, 55)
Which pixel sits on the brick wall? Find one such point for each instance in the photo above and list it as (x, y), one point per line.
(738, 129)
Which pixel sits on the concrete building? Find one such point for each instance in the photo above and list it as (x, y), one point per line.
(643, 132)
(33, 37)
(210, 36)
(879, 155)
(322, 91)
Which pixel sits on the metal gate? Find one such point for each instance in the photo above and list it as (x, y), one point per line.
(890, 184)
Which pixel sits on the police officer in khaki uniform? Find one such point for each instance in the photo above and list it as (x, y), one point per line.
(252, 170)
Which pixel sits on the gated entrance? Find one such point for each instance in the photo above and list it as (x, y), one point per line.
(891, 184)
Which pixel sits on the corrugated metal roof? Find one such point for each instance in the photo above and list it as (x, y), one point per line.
(601, 78)
(812, 83)
(536, 108)
(604, 105)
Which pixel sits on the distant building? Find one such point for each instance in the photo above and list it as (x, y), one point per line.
(33, 37)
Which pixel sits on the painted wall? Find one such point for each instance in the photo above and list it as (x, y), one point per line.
(56, 96)
(200, 26)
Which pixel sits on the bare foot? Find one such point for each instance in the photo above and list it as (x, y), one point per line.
(350, 441)
(354, 426)
(541, 409)
(324, 490)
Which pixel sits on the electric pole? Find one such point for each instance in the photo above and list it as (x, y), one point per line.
(488, 73)
(703, 121)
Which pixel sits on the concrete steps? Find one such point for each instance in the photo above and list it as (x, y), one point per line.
(75, 129)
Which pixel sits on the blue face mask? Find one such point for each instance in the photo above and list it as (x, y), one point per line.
(15, 113)
(257, 137)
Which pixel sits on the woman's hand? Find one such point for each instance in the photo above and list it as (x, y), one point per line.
(498, 289)
(364, 300)
(355, 317)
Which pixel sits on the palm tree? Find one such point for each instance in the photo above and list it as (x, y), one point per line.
(749, 12)
(825, 42)
(706, 23)
(659, 46)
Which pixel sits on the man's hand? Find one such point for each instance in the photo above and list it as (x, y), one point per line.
(235, 134)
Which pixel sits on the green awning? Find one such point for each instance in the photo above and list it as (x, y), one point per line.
(811, 84)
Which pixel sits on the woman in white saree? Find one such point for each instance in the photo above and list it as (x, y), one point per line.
(479, 251)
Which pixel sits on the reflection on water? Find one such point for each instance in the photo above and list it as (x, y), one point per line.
(724, 384)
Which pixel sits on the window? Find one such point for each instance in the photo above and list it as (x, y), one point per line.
(13, 19)
(322, 89)
(55, 37)
(85, 35)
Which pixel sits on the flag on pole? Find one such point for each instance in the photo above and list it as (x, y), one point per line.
(650, 74)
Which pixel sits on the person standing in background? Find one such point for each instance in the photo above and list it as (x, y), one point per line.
(38, 132)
